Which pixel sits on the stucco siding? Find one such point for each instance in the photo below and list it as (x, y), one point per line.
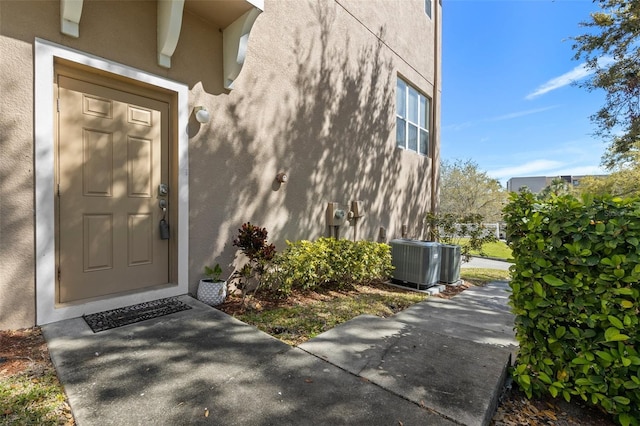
(17, 301)
(403, 26)
(315, 99)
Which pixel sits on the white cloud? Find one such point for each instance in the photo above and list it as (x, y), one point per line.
(545, 167)
(565, 79)
(521, 113)
(509, 116)
(578, 157)
(531, 168)
(579, 171)
(578, 73)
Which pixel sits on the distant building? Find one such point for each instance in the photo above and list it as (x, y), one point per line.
(536, 184)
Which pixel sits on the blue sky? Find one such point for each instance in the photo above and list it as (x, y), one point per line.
(507, 101)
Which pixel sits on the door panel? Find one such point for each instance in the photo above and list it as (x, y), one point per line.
(140, 164)
(97, 153)
(112, 156)
(140, 243)
(97, 233)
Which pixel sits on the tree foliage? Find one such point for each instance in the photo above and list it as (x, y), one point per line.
(465, 190)
(556, 187)
(621, 183)
(611, 50)
(468, 232)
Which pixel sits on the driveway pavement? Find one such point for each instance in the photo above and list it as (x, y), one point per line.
(481, 262)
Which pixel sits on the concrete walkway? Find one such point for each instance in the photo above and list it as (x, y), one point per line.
(440, 362)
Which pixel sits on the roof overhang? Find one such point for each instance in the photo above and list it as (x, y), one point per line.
(234, 17)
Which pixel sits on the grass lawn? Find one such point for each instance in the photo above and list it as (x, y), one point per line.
(30, 393)
(481, 276)
(304, 315)
(497, 250)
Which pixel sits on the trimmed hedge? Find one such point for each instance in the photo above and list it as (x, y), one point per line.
(576, 298)
(329, 262)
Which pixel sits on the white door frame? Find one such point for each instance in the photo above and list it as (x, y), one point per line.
(46, 309)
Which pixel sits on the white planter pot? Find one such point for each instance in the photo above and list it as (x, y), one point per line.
(212, 293)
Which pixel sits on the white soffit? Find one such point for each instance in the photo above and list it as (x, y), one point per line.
(70, 13)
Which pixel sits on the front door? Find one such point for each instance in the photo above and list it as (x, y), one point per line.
(112, 161)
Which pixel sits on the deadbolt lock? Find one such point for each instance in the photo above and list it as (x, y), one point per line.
(163, 189)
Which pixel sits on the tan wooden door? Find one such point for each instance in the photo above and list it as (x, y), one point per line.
(112, 157)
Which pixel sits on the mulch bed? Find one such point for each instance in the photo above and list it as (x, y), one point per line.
(515, 409)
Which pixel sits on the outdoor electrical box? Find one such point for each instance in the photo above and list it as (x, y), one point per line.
(356, 209)
(335, 215)
(331, 208)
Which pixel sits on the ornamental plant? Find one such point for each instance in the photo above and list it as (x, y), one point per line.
(252, 241)
(576, 296)
(329, 262)
(214, 273)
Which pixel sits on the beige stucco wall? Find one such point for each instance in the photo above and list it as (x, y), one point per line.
(315, 99)
(17, 290)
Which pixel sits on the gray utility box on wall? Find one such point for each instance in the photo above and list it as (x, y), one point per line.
(450, 260)
(416, 262)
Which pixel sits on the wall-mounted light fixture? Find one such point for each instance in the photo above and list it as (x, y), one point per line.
(202, 114)
(282, 177)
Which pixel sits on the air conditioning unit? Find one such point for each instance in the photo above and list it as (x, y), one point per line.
(449, 263)
(416, 262)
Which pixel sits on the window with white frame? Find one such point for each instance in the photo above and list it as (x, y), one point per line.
(412, 118)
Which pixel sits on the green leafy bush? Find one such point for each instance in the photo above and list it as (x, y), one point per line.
(576, 299)
(329, 262)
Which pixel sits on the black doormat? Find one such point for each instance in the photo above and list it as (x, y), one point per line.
(134, 313)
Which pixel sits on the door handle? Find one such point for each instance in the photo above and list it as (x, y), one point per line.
(163, 189)
(164, 226)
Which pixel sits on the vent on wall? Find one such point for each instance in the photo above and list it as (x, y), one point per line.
(416, 262)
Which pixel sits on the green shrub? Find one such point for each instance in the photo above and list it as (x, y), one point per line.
(576, 298)
(329, 262)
